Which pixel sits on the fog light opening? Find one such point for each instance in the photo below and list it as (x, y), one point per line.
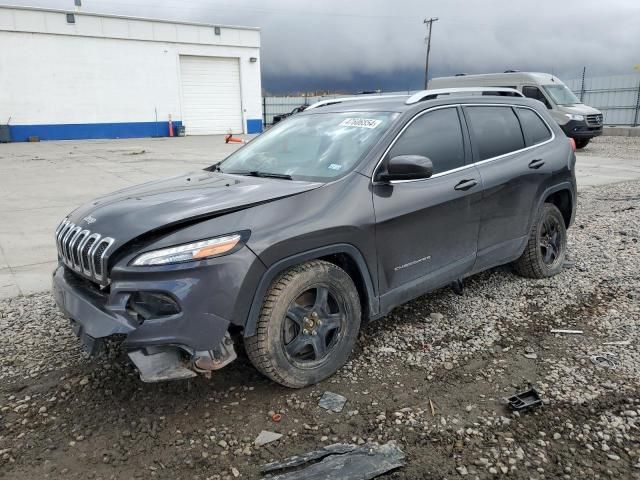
(151, 305)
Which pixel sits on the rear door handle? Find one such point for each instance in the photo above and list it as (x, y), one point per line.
(537, 163)
(466, 184)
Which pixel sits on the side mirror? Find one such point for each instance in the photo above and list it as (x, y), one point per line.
(407, 167)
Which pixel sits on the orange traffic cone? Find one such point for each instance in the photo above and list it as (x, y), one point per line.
(231, 139)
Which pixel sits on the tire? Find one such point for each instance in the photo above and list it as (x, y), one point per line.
(581, 142)
(547, 246)
(302, 339)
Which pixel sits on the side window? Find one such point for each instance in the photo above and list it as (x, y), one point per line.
(494, 130)
(536, 94)
(535, 130)
(436, 135)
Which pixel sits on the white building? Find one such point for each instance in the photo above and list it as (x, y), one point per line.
(69, 75)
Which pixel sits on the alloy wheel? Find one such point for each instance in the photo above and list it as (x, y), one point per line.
(550, 241)
(313, 323)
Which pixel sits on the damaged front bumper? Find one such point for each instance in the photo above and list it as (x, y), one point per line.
(175, 346)
(158, 364)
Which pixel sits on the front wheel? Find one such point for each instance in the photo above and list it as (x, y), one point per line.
(547, 246)
(308, 325)
(581, 142)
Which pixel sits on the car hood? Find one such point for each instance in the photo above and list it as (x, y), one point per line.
(134, 211)
(579, 109)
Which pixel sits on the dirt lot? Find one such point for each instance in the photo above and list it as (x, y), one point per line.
(64, 416)
(627, 148)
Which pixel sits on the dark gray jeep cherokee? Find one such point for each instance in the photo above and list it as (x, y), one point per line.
(336, 215)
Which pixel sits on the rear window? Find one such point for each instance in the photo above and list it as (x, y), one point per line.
(494, 130)
(534, 128)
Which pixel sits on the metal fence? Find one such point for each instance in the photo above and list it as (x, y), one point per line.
(618, 97)
(278, 105)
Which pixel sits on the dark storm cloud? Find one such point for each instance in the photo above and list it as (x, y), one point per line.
(340, 40)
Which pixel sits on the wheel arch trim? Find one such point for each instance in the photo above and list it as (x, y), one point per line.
(546, 193)
(558, 188)
(571, 187)
(287, 262)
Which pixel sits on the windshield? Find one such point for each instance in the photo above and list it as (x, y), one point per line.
(318, 147)
(561, 95)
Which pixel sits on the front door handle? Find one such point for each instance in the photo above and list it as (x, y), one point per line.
(537, 163)
(466, 184)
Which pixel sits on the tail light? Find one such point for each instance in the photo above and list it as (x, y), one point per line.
(572, 142)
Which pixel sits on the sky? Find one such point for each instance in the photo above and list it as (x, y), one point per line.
(354, 45)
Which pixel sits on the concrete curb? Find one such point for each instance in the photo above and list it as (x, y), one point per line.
(621, 131)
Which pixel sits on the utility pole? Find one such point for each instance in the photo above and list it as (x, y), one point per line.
(584, 72)
(429, 24)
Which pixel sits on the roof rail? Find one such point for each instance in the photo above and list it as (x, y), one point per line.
(333, 101)
(431, 94)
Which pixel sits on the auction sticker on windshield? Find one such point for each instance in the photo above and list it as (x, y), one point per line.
(360, 122)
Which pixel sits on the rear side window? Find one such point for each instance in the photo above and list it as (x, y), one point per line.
(494, 130)
(436, 135)
(534, 128)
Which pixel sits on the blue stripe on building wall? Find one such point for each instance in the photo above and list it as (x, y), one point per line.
(83, 131)
(254, 125)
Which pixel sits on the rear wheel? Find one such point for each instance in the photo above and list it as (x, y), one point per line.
(581, 142)
(547, 245)
(308, 325)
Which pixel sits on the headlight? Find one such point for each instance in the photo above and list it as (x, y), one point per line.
(573, 116)
(188, 252)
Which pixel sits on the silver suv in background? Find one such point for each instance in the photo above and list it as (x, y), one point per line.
(577, 120)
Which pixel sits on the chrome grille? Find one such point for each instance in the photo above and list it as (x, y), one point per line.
(594, 120)
(84, 254)
(97, 262)
(83, 251)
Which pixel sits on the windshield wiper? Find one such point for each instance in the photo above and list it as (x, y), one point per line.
(257, 173)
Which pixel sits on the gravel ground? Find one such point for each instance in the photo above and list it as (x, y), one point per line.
(627, 148)
(432, 376)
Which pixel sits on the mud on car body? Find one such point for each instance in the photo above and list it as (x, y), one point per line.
(335, 216)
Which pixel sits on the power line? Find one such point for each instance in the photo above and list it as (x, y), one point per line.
(429, 24)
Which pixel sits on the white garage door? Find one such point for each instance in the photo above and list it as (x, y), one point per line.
(211, 101)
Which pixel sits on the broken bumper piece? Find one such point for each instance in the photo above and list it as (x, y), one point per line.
(339, 461)
(159, 364)
(92, 346)
(525, 400)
